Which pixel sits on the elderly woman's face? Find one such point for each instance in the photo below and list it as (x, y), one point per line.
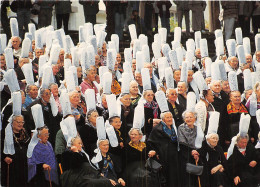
(33, 93)
(93, 117)
(189, 119)
(248, 93)
(3, 62)
(257, 56)
(168, 120)
(104, 146)
(104, 102)
(104, 47)
(74, 99)
(233, 62)
(149, 96)
(54, 90)
(38, 53)
(78, 143)
(138, 78)
(16, 43)
(134, 89)
(172, 96)
(126, 100)
(213, 140)
(79, 72)
(242, 143)
(248, 59)
(44, 136)
(91, 75)
(216, 87)
(135, 136)
(118, 58)
(46, 95)
(116, 123)
(235, 97)
(18, 124)
(181, 88)
(23, 97)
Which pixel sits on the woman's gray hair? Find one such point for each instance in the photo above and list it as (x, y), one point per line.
(17, 116)
(73, 92)
(90, 112)
(242, 136)
(145, 92)
(208, 136)
(189, 111)
(52, 84)
(90, 69)
(138, 130)
(73, 140)
(133, 82)
(169, 89)
(100, 141)
(28, 88)
(163, 114)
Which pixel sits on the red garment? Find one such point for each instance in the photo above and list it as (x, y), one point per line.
(84, 86)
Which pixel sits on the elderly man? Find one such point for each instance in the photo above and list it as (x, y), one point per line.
(52, 122)
(182, 94)
(88, 80)
(244, 163)
(16, 41)
(174, 107)
(31, 95)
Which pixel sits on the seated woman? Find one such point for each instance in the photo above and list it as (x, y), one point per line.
(187, 133)
(135, 96)
(215, 163)
(76, 109)
(42, 165)
(243, 164)
(106, 165)
(163, 140)
(135, 173)
(77, 171)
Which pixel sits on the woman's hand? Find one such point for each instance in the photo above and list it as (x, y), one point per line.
(121, 181)
(46, 167)
(252, 164)
(237, 180)
(195, 154)
(8, 160)
(217, 168)
(151, 153)
(112, 182)
(74, 149)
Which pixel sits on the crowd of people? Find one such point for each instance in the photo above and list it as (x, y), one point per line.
(87, 114)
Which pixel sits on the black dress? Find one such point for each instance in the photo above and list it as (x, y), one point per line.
(135, 173)
(167, 150)
(18, 173)
(211, 157)
(77, 171)
(176, 113)
(238, 165)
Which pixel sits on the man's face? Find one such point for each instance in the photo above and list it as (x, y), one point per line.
(235, 97)
(16, 43)
(181, 88)
(233, 62)
(216, 87)
(190, 78)
(33, 93)
(177, 75)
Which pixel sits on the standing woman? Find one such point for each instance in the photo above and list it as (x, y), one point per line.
(63, 9)
(187, 134)
(14, 160)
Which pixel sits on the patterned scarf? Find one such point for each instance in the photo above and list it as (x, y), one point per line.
(170, 132)
(119, 135)
(140, 146)
(153, 105)
(232, 109)
(115, 88)
(108, 164)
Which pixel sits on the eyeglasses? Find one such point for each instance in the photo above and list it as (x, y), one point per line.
(19, 122)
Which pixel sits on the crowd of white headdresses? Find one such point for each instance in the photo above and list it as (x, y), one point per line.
(165, 58)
